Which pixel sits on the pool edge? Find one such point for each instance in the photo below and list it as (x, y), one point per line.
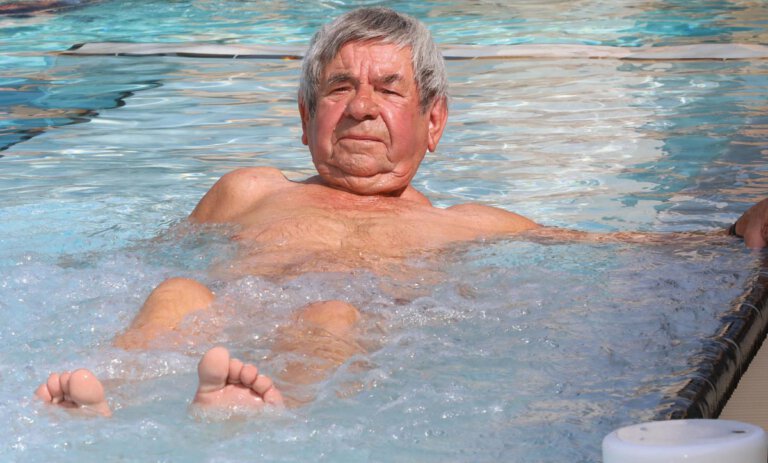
(725, 357)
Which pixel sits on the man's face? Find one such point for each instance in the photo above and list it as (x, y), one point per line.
(369, 134)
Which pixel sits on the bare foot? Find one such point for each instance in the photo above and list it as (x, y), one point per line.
(228, 383)
(79, 389)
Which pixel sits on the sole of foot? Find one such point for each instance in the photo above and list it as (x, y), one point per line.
(228, 383)
(79, 390)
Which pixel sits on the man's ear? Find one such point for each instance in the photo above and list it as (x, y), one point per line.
(438, 117)
(304, 113)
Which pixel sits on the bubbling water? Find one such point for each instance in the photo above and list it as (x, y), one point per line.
(520, 350)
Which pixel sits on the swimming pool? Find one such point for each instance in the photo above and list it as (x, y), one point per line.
(521, 351)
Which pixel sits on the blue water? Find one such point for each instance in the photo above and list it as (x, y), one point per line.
(514, 351)
(27, 37)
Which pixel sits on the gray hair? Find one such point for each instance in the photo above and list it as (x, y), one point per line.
(376, 24)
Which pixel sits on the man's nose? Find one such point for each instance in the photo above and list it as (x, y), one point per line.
(363, 106)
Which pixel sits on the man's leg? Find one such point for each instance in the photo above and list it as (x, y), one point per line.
(322, 337)
(164, 310)
(321, 334)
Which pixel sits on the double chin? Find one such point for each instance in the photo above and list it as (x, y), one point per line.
(380, 183)
(368, 162)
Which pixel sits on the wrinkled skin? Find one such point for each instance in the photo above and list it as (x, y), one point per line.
(369, 133)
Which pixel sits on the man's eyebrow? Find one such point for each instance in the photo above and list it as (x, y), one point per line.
(339, 78)
(344, 77)
(390, 79)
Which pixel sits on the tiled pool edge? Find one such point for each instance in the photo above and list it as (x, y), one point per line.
(724, 357)
(715, 51)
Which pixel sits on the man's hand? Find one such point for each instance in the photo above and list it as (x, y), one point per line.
(753, 226)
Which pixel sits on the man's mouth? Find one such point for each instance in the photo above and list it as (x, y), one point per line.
(360, 137)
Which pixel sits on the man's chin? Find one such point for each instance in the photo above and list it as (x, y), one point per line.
(377, 185)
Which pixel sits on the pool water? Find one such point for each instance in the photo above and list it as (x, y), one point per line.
(505, 351)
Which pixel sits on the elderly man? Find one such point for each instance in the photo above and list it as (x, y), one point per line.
(372, 101)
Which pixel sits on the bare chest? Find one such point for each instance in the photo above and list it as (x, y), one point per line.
(385, 231)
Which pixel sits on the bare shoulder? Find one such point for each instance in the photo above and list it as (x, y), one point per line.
(236, 192)
(493, 220)
(412, 194)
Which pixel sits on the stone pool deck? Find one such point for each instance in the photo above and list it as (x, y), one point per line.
(749, 402)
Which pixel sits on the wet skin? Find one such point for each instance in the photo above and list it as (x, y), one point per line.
(367, 138)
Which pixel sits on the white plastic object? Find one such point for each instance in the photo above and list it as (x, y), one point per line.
(687, 441)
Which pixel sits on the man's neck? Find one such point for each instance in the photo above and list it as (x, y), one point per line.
(408, 193)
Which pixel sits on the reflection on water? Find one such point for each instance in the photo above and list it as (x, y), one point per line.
(710, 116)
(26, 39)
(61, 95)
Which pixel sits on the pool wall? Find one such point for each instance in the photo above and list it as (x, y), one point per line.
(724, 357)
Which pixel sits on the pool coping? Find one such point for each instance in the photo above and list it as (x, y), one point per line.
(724, 357)
(711, 51)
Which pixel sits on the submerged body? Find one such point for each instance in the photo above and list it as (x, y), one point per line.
(288, 228)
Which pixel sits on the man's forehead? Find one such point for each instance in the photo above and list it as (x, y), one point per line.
(382, 55)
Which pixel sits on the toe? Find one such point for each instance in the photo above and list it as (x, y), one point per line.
(264, 387)
(213, 369)
(235, 368)
(262, 384)
(54, 388)
(85, 388)
(43, 393)
(248, 375)
(64, 383)
(273, 397)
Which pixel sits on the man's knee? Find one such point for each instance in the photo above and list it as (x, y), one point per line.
(184, 291)
(171, 300)
(164, 309)
(336, 317)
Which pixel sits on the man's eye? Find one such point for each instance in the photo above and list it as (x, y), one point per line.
(388, 91)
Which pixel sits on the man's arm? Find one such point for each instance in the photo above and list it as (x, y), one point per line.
(235, 193)
(565, 235)
(752, 226)
(493, 221)
(500, 222)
